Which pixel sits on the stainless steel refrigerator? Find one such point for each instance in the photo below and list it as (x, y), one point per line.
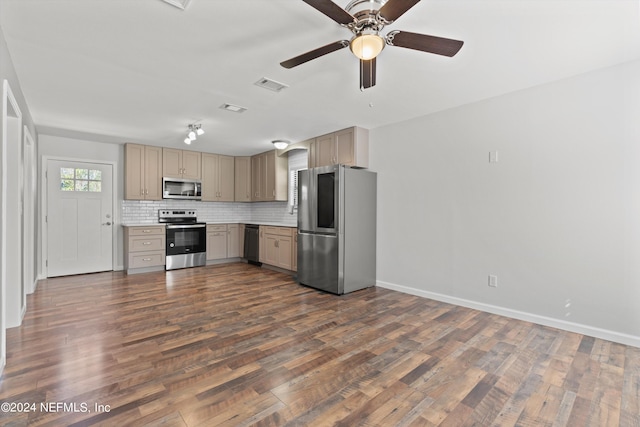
(337, 228)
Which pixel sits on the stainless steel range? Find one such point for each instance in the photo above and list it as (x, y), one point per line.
(186, 238)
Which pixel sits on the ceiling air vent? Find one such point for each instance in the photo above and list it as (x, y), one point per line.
(180, 4)
(233, 108)
(271, 84)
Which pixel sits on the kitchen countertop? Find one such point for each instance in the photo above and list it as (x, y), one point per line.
(272, 224)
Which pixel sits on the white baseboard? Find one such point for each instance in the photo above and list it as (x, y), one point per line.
(520, 315)
(34, 286)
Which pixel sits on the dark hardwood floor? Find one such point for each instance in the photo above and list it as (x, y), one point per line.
(236, 345)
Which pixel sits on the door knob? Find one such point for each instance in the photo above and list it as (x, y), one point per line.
(106, 223)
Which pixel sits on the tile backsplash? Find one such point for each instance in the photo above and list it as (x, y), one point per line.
(146, 211)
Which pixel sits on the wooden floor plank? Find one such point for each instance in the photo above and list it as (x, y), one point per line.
(236, 345)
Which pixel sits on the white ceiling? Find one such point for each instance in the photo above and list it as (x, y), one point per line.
(142, 70)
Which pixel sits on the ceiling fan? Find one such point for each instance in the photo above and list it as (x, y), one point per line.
(365, 19)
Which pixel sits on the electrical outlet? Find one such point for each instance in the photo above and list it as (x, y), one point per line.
(493, 157)
(493, 281)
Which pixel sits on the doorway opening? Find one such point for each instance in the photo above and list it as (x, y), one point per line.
(12, 295)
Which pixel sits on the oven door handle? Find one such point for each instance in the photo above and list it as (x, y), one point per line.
(186, 226)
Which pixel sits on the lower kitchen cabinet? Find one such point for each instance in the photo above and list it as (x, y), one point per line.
(144, 248)
(241, 240)
(223, 241)
(294, 263)
(276, 246)
(261, 244)
(233, 241)
(216, 241)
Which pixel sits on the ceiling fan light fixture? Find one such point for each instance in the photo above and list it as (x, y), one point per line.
(366, 46)
(280, 144)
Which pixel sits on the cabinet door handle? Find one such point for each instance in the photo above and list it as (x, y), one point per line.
(146, 243)
(146, 231)
(146, 259)
(142, 191)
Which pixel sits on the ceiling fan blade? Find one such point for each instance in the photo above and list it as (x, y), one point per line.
(394, 9)
(316, 53)
(367, 73)
(425, 43)
(332, 10)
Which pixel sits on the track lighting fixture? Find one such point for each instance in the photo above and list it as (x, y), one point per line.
(195, 130)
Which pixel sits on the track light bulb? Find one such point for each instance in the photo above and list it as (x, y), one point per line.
(187, 141)
(192, 135)
(199, 131)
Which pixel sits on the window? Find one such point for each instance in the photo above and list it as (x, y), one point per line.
(293, 188)
(72, 179)
(297, 161)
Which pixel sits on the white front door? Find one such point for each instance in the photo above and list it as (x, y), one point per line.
(79, 218)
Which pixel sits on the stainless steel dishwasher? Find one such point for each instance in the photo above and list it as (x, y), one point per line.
(252, 244)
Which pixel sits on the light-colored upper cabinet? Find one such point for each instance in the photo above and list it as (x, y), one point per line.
(256, 168)
(217, 178)
(143, 172)
(346, 147)
(227, 168)
(325, 150)
(181, 164)
(242, 179)
(269, 177)
(346, 152)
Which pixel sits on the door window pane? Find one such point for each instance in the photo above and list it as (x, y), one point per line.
(67, 185)
(95, 186)
(82, 185)
(72, 179)
(67, 173)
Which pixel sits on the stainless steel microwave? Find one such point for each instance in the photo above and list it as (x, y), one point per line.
(174, 188)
